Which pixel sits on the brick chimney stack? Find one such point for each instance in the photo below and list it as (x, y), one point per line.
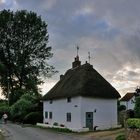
(76, 63)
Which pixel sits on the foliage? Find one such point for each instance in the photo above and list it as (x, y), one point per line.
(20, 108)
(137, 92)
(137, 107)
(29, 97)
(15, 95)
(33, 118)
(130, 113)
(4, 109)
(133, 123)
(120, 137)
(57, 129)
(61, 130)
(27, 103)
(23, 51)
(55, 124)
(121, 107)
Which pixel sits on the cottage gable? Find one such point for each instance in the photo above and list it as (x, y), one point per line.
(127, 97)
(128, 100)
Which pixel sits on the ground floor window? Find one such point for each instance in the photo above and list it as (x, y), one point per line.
(68, 115)
(50, 115)
(46, 115)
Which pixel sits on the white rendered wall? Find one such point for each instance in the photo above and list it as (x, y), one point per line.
(129, 104)
(105, 115)
(60, 107)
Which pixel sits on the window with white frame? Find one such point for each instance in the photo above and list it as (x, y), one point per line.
(46, 115)
(68, 115)
(50, 115)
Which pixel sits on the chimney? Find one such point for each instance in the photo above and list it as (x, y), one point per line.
(76, 63)
(61, 76)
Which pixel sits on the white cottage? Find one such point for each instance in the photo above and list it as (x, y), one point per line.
(128, 100)
(82, 98)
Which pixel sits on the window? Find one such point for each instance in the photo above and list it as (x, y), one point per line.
(50, 115)
(69, 99)
(46, 115)
(51, 101)
(68, 117)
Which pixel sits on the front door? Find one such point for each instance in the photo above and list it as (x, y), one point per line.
(89, 120)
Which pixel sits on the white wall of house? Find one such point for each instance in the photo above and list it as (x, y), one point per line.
(129, 104)
(104, 117)
(60, 107)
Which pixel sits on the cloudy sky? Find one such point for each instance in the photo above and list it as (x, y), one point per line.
(108, 29)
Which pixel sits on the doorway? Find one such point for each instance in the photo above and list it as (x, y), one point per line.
(89, 120)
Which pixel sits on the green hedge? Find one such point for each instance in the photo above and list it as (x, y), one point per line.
(33, 118)
(133, 123)
(121, 137)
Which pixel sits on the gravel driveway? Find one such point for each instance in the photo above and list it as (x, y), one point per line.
(17, 132)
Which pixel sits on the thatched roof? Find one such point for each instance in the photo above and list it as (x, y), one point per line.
(82, 81)
(127, 96)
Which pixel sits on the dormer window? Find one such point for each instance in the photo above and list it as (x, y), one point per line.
(69, 99)
(51, 101)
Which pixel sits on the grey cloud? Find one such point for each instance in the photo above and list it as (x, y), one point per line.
(108, 29)
(133, 74)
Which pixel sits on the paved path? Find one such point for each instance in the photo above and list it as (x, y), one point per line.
(17, 132)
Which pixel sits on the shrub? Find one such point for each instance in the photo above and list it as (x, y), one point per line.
(120, 137)
(33, 118)
(133, 123)
(55, 124)
(20, 108)
(130, 113)
(121, 107)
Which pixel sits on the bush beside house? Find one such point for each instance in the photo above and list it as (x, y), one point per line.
(33, 118)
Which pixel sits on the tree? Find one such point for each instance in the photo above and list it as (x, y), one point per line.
(137, 91)
(137, 107)
(121, 107)
(23, 51)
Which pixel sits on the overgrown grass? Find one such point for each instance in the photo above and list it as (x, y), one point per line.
(120, 137)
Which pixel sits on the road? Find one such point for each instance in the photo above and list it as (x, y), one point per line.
(18, 132)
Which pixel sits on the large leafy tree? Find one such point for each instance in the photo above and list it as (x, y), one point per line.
(23, 51)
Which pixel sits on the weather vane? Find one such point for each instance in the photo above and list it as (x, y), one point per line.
(89, 57)
(77, 49)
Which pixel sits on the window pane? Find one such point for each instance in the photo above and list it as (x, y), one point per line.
(68, 117)
(50, 115)
(51, 101)
(69, 99)
(46, 114)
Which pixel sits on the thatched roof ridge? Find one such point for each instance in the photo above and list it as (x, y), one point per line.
(127, 96)
(82, 81)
